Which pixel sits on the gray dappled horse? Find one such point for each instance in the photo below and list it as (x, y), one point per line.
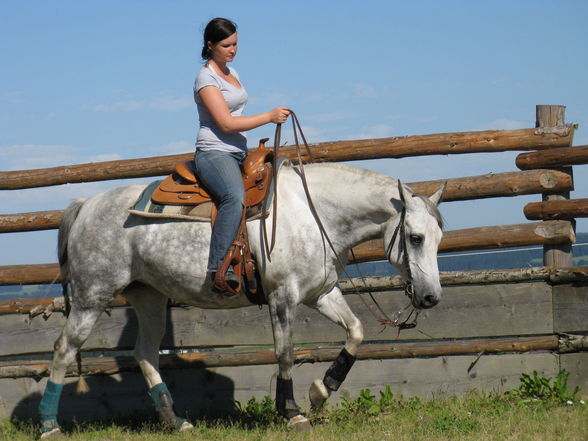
(107, 251)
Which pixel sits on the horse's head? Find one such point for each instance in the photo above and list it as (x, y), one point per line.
(412, 238)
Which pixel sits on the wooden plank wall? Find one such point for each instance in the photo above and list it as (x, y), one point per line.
(199, 391)
(465, 311)
(501, 309)
(570, 315)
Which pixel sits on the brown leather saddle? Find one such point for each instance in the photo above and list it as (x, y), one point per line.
(182, 188)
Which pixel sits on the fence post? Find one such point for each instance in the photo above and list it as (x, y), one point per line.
(554, 255)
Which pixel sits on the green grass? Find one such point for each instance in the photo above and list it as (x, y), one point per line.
(541, 409)
(476, 417)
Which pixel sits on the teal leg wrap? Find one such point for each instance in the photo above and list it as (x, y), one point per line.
(163, 403)
(49, 405)
(156, 393)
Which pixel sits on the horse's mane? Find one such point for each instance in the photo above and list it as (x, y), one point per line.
(432, 209)
(362, 172)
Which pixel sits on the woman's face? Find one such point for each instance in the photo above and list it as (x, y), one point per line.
(225, 50)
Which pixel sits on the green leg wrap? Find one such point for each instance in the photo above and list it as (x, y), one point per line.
(164, 405)
(49, 405)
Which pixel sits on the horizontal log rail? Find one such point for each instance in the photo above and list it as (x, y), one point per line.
(255, 356)
(557, 209)
(32, 221)
(458, 189)
(505, 236)
(482, 238)
(339, 151)
(553, 158)
(49, 305)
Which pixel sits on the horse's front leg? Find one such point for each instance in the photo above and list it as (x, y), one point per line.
(333, 306)
(282, 311)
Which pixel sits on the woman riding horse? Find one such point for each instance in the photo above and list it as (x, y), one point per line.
(221, 145)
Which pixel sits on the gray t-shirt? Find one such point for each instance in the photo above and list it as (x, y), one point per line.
(210, 135)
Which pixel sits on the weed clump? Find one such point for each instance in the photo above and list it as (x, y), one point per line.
(534, 388)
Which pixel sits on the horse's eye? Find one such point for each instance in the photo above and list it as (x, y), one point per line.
(416, 239)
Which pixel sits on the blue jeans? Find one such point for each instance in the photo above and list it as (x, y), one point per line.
(220, 174)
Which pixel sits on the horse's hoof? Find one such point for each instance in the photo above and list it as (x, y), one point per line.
(318, 394)
(52, 434)
(185, 426)
(300, 424)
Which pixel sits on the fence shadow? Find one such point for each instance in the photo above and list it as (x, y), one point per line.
(123, 397)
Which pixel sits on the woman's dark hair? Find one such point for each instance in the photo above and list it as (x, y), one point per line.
(216, 30)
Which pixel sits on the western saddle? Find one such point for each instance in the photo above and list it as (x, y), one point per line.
(182, 188)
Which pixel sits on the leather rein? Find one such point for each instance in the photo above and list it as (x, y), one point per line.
(399, 232)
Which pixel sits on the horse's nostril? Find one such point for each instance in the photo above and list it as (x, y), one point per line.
(430, 299)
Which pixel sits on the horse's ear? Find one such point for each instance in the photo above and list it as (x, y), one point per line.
(437, 197)
(405, 193)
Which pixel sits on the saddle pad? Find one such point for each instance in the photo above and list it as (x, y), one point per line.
(200, 213)
(146, 208)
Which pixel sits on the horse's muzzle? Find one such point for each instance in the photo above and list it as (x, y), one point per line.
(427, 301)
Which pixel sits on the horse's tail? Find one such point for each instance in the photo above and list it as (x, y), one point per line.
(69, 217)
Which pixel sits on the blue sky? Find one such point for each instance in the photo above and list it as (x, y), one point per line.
(91, 81)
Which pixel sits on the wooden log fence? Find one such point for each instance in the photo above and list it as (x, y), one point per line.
(49, 305)
(554, 254)
(340, 151)
(577, 155)
(505, 236)
(458, 189)
(557, 209)
(484, 238)
(493, 312)
(256, 356)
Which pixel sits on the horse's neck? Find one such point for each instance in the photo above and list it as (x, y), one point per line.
(353, 203)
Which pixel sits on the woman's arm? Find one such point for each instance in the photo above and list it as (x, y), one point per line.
(213, 100)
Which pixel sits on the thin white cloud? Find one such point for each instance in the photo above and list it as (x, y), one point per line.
(23, 157)
(175, 147)
(270, 98)
(503, 124)
(170, 103)
(32, 156)
(314, 97)
(105, 157)
(313, 135)
(14, 97)
(51, 198)
(329, 117)
(363, 90)
(164, 101)
(375, 131)
(119, 106)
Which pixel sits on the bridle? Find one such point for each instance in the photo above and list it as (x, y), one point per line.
(399, 232)
(401, 228)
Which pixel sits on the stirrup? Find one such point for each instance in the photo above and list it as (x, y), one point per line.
(231, 279)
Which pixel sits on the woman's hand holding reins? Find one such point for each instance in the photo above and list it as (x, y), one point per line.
(279, 115)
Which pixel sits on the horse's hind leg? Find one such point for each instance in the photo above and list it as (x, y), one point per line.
(335, 308)
(151, 310)
(282, 313)
(75, 332)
